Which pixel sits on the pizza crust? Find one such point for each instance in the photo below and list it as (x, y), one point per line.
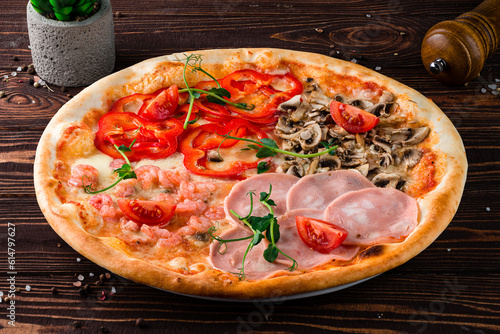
(437, 207)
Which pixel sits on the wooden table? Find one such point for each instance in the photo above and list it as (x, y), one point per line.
(452, 287)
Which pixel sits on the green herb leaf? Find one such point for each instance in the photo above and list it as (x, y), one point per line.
(271, 253)
(265, 152)
(262, 167)
(275, 232)
(260, 223)
(221, 92)
(258, 236)
(269, 142)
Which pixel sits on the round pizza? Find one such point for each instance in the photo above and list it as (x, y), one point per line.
(249, 173)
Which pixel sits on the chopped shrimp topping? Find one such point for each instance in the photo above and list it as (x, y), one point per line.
(83, 175)
(125, 188)
(104, 204)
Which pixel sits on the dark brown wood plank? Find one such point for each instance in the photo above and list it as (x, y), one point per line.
(451, 287)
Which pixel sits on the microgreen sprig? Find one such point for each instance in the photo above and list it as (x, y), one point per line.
(217, 95)
(267, 147)
(262, 227)
(124, 172)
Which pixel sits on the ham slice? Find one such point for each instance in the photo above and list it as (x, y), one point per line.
(238, 199)
(317, 191)
(374, 215)
(256, 267)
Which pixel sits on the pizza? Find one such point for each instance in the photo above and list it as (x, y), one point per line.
(249, 173)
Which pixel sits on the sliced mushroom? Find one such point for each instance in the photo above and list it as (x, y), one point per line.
(382, 143)
(292, 104)
(332, 162)
(283, 125)
(363, 169)
(312, 167)
(300, 112)
(417, 135)
(296, 170)
(310, 137)
(386, 180)
(386, 160)
(411, 157)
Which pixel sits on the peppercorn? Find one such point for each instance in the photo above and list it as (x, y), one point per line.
(77, 324)
(140, 322)
(2, 94)
(54, 290)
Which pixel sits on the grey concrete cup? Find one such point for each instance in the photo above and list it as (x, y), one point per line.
(72, 54)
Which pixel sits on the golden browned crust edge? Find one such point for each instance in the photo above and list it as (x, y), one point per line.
(437, 208)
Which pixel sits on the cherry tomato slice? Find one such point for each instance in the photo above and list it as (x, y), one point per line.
(147, 212)
(352, 119)
(320, 235)
(162, 106)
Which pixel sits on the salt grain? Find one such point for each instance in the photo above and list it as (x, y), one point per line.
(5, 76)
(78, 259)
(13, 74)
(19, 69)
(80, 277)
(483, 90)
(368, 15)
(488, 209)
(1, 293)
(28, 288)
(497, 80)
(449, 249)
(91, 275)
(495, 92)
(378, 68)
(113, 290)
(492, 86)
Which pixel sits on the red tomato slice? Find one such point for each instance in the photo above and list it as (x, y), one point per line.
(153, 140)
(147, 212)
(352, 119)
(162, 106)
(320, 235)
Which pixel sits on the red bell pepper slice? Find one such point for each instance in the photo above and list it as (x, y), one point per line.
(153, 140)
(200, 139)
(265, 91)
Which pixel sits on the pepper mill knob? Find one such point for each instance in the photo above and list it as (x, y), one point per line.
(454, 52)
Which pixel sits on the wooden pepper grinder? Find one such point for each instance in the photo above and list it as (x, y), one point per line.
(454, 52)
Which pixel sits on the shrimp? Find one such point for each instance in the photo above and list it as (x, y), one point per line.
(83, 175)
(190, 208)
(196, 191)
(215, 212)
(104, 204)
(172, 178)
(125, 188)
(147, 175)
(117, 163)
(195, 224)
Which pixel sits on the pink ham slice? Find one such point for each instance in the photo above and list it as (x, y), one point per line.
(256, 267)
(375, 215)
(317, 191)
(238, 199)
(230, 259)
